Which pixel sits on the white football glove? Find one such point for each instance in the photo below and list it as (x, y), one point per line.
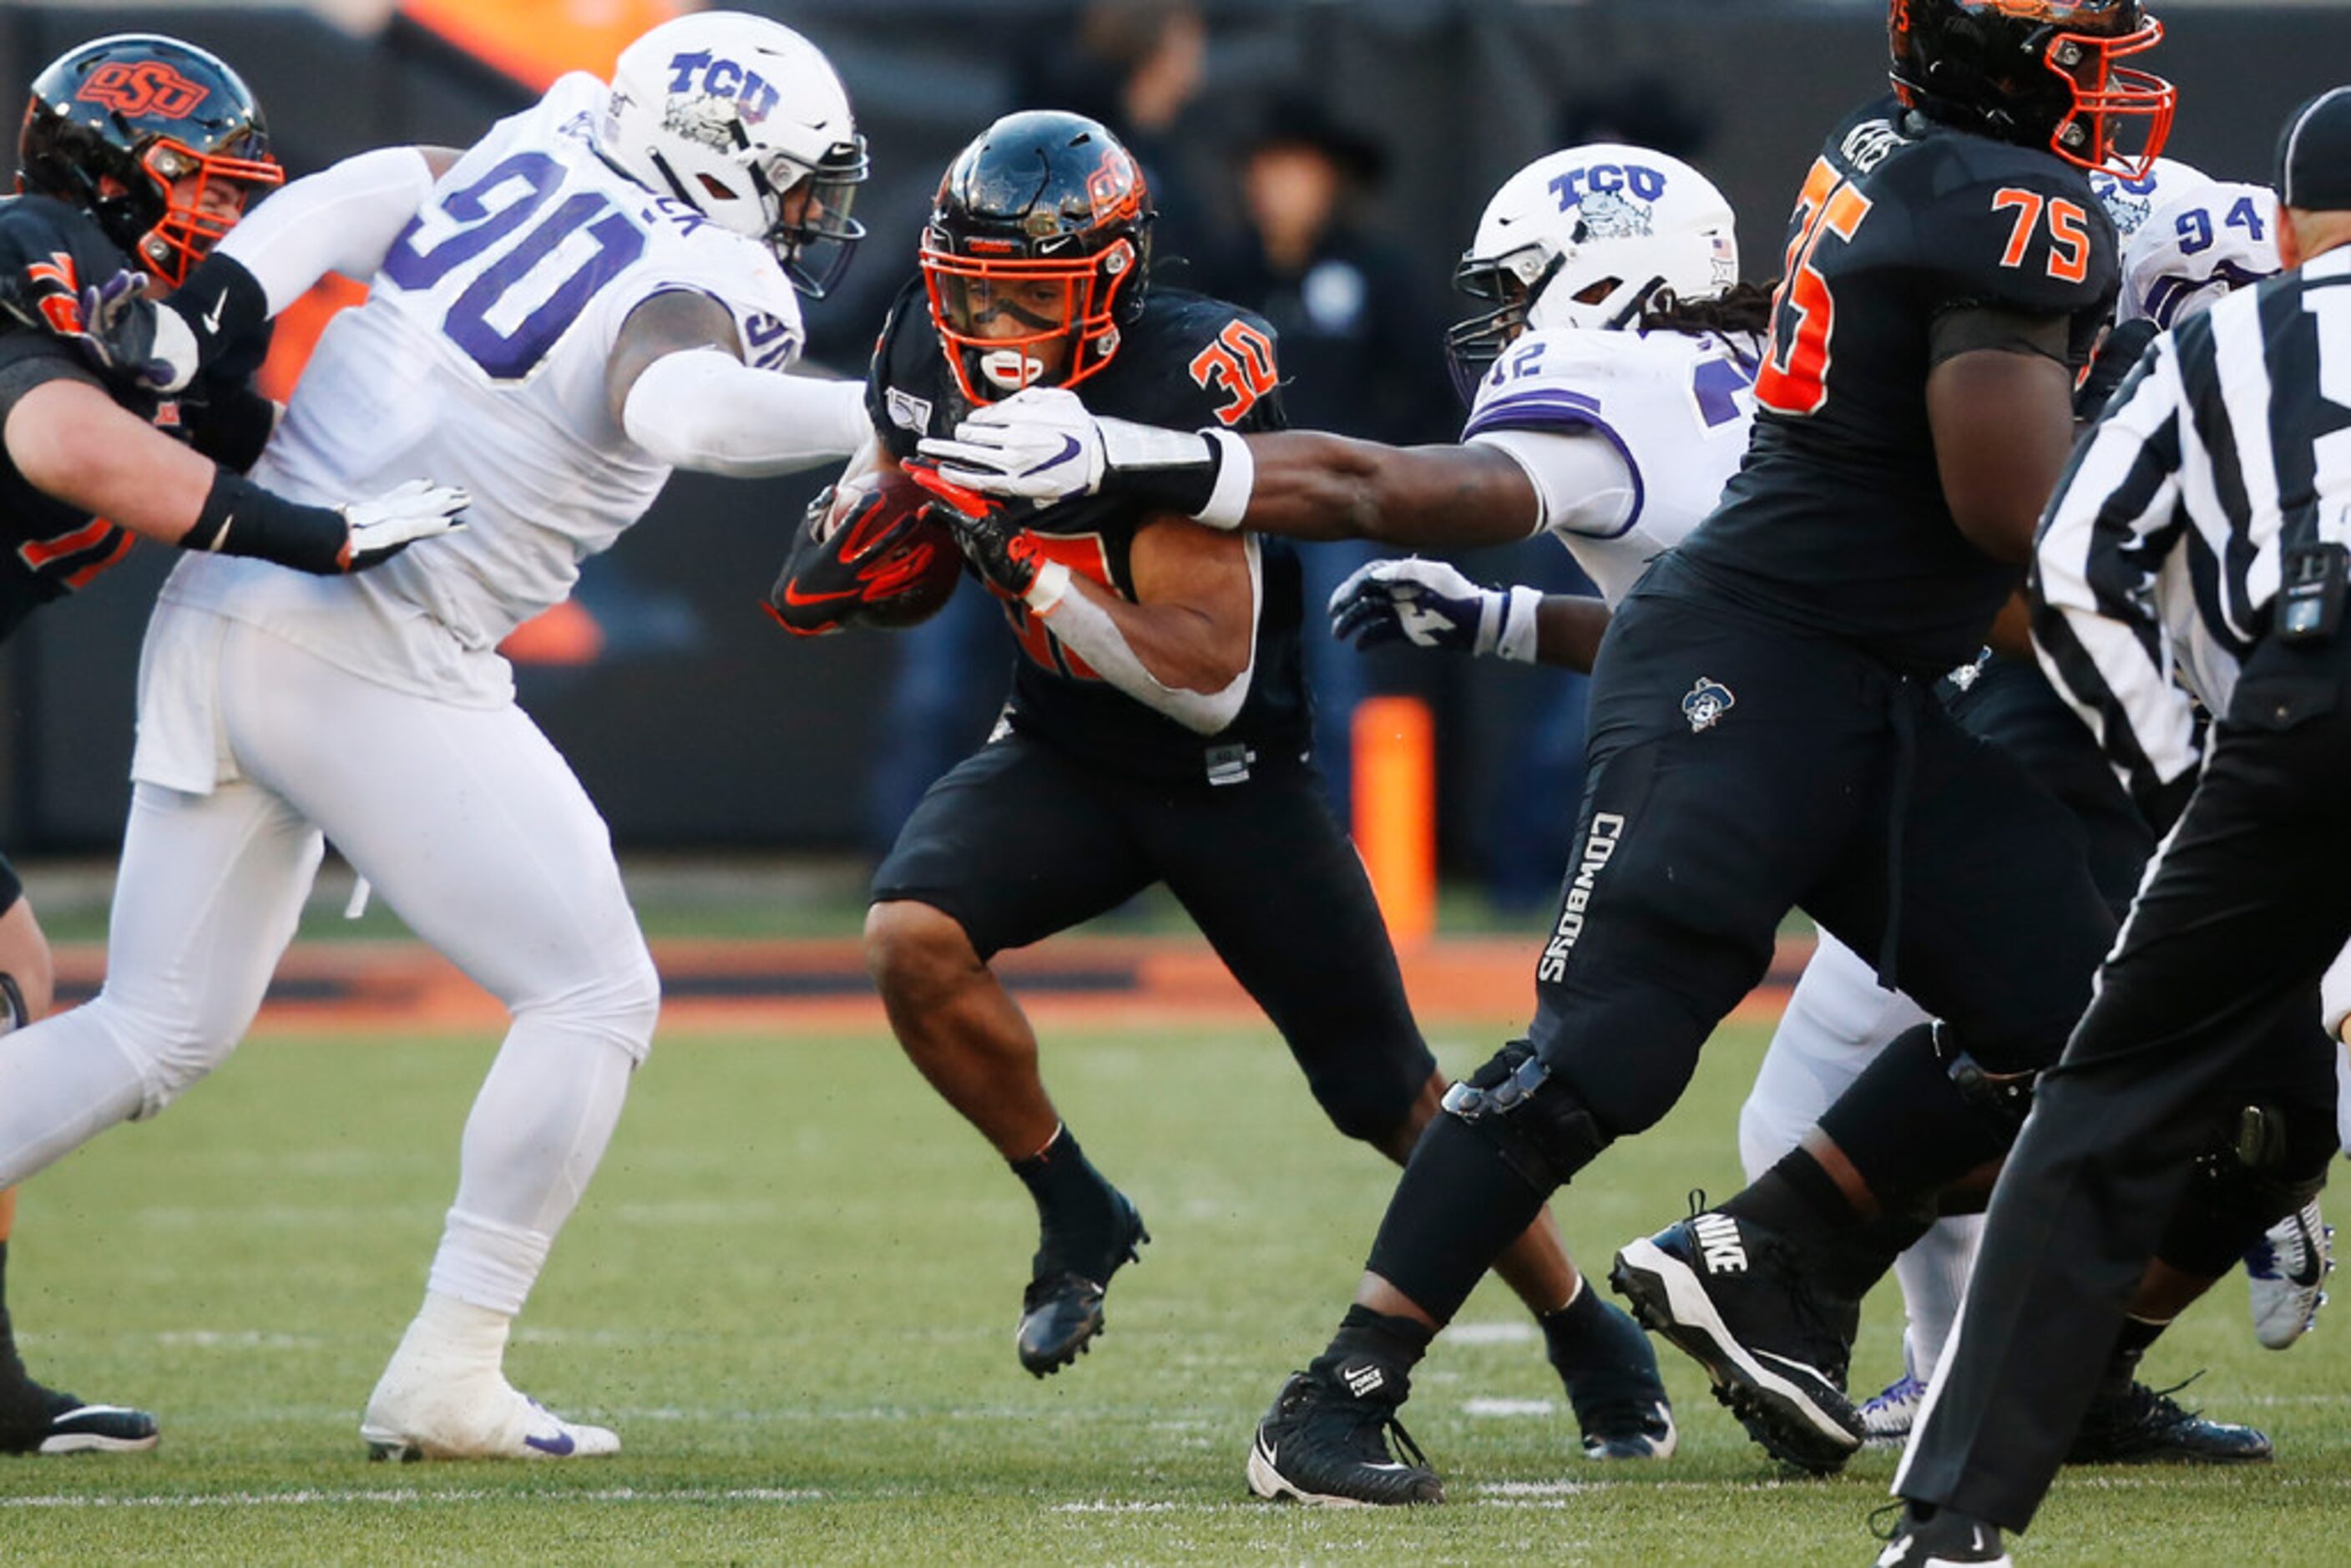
(1039, 445)
(383, 526)
(1430, 605)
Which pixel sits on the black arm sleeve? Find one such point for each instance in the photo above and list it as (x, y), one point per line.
(1964, 328)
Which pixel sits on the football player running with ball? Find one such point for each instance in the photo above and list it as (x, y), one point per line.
(599, 290)
(1764, 735)
(1156, 733)
(138, 152)
(1609, 380)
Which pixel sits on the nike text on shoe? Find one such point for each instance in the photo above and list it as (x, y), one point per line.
(1321, 1443)
(2143, 1425)
(47, 1422)
(1061, 1311)
(1888, 1418)
(479, 1416)
(1946, 1540)
(1734, 1297)
(2285, 1272)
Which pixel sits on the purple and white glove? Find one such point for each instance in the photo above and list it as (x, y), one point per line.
(1430, 605)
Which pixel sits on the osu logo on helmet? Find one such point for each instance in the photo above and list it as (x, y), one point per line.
(143, 88)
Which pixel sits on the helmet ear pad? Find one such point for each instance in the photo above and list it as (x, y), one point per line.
(1040, 201)
(136, 129)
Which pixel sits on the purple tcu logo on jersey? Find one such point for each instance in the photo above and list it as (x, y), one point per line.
(707, 90)
(1706, 702)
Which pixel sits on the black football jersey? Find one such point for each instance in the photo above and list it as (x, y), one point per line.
(1188, 362)
(49, 549)
(1836, 520)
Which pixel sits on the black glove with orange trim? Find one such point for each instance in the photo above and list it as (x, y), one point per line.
(987, 529)
(871, 552)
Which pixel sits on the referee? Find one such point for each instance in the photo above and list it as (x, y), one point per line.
(2199, 537)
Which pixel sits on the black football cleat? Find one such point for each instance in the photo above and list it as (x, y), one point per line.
(1612, 1386)
(1062, 1309)
(2142, 1425)
(1735, 1298)
(1326, 1440)
(1946, 1539)
(38, 1420)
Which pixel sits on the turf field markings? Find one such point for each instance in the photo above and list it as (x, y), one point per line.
(402, 1496)
(1508, 1407)
(1491, 1334)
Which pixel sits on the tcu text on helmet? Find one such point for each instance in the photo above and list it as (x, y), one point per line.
(753, 96)
(1643, 184)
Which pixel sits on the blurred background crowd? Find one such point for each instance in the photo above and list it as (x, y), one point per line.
(1322, 161)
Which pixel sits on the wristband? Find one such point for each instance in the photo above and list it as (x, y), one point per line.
(1521, 626)
(1053, 582)
(240, 517)
(1235, 478)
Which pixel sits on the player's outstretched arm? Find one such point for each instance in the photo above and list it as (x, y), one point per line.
(678, 385)
(1042, 446)
(72, 442)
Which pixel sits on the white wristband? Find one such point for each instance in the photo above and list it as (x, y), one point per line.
(1521, 626)
(1229, 501)
(1053, 582)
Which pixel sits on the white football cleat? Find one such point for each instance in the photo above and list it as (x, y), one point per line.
(2286, 1272)
(415, 1414)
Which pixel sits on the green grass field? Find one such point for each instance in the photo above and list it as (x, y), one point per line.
(792, 1291)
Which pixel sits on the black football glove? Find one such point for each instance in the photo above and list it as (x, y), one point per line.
(1005, 555)
(872, 567)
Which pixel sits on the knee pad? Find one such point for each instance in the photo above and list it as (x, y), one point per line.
(2263, 1163)
(1534, 1119)
(2003, 1099)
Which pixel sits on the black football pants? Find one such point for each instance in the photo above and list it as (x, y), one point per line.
(2249, 900)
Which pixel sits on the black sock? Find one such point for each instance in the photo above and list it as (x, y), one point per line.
(12, 1374)
(1907, 1128)
(1395, 1344)
(1076, 1219)
(2122, 1366)
(1461, 1205)
(1589, 1333)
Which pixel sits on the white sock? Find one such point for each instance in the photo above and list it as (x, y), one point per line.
(1934, 1276)
(536, 1131)
(448, 1329)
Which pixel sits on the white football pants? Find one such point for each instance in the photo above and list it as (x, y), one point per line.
(471, 826)
(1838, 1018)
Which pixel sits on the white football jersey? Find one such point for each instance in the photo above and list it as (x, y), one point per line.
(479, 360)
(1675, 406)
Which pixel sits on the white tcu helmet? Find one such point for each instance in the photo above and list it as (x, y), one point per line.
(2194, 248)
(2128, 201)
(1590, 237)
(730, 113)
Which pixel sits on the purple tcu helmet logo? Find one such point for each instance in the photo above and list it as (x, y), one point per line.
(751, 94)
(1706, 702)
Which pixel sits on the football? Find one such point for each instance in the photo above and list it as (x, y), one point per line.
(905, 562)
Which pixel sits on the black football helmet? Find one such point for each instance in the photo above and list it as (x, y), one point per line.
(1041, 235)
(116, 123)
(2041, 73)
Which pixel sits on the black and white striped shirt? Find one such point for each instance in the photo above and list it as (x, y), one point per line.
(2158, 557)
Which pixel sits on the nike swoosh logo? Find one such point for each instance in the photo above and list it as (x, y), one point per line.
(2314, 1265)
(561, 1445)
(797, 600)
(213, 316)
(1070, 449)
